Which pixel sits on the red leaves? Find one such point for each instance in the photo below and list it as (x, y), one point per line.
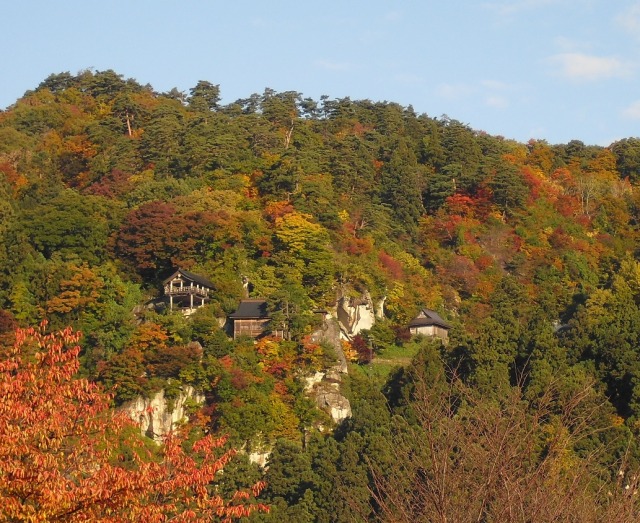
(170, 361)
(460, 204)
(61, 457)
(158, 236)
(277, 209)
(152, 234)
(467, 206)
(113, 185)
(17, 181)
(391, 265)
(354, 246)
(362, 348)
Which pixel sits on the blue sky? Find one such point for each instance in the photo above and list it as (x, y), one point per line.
(547, 69)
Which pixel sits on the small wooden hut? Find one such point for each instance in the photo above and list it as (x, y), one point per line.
(251, 318)
(429, 323)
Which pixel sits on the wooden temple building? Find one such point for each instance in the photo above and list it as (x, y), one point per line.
(187, 291)
(251, 318)
(429, 323)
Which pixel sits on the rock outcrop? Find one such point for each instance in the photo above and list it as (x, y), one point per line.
(158, 415)
(324, 387)
(358, 314)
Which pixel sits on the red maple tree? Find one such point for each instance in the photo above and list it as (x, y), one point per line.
(66, 455)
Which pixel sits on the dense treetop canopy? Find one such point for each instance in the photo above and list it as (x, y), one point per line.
(529, 250)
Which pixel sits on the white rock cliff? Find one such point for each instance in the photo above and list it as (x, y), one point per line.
(157, 415)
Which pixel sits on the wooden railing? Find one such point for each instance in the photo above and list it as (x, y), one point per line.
(181, 291)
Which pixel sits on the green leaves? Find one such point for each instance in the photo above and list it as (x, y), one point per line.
(204, 96)
(71, 224)
(606, 332)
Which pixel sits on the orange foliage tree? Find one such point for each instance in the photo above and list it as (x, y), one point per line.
(66, 455)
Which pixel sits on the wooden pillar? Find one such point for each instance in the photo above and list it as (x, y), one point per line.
(191, 296)
(171, 302)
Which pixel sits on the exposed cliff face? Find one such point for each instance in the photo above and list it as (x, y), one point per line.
(259, 452)
(330, 333)
(324, 387)
(355, 314)
(326, 390)
(158, 415)
(380, 308)
(358, 314)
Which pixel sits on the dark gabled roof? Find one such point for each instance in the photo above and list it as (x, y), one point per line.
(251, 309)
(430, 318)
(196, 278)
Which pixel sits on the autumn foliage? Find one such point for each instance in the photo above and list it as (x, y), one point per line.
(107, 187)
(66, 455)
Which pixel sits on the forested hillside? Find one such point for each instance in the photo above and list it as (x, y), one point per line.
(528, 250)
